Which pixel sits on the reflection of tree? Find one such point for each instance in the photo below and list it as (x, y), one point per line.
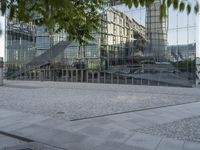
(186, 65)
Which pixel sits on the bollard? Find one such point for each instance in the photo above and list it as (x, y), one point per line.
(1, 71)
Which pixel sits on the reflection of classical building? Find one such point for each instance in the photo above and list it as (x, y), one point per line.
(181, 52)
(155, 32)
(119, 39)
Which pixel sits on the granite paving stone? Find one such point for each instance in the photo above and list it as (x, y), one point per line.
(110, 145)
(144, 141)
(65, 139)
(6, 141)
(170, 144)
(36, 132)
(191, 146)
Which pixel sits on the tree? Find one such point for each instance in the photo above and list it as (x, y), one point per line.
(77, 17)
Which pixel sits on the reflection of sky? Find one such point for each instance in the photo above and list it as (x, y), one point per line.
(181, 27)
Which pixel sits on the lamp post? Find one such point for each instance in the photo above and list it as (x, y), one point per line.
(1, 71)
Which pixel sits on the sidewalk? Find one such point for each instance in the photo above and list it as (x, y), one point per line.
(126, 131)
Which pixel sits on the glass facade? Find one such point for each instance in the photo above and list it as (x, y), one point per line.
(131, 43)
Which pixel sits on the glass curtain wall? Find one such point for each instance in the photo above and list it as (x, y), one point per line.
(169, 55)
(131, 43)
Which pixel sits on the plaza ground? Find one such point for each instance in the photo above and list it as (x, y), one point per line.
(76, 116)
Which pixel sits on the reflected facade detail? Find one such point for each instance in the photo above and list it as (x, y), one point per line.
(155, 32)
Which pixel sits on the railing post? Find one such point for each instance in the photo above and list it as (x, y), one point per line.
(1, 71)
(132, 80)
(111, 77)
(72, 74)
(81, 75)
(118, 79)
(86, 75)
(76, 75)
(40, 74)
(99, 74)
(67, 74)
(92, 76)
(104, 77)
(125, 80)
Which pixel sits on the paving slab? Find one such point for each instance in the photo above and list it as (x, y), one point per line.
(6, 141)
(145, 141)
(65, 139)
(36, 132)
(110, 145)
(191, 146)
(170, 144)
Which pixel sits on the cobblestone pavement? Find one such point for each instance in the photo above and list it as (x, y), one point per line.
(185, 129)
(81, 100)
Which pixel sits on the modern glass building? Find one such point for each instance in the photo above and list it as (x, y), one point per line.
(133, 46)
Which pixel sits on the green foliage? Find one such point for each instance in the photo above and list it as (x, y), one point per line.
(182, 6)
(196, 8)
(78, 18)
